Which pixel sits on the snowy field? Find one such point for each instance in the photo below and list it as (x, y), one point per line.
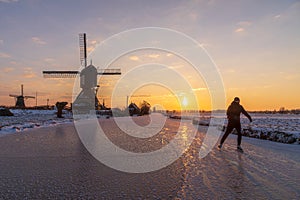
(26, 119)
(284, 128)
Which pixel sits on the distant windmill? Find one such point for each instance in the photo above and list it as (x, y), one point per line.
(20, 99)
(88, 78)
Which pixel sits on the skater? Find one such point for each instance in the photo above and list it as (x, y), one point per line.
(233, 115)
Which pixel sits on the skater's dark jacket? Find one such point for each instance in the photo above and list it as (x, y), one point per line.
(234, 111)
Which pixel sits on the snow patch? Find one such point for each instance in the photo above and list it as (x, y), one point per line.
(26, 119)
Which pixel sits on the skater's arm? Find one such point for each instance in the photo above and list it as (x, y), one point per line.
(246, 114)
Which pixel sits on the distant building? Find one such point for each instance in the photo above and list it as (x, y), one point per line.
(134, 109)
(145, 108)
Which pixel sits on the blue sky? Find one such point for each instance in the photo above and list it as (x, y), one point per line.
(256, 44)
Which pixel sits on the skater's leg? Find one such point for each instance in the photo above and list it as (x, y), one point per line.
(239, 139)
(227, 132)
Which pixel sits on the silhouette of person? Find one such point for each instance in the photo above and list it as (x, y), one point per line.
(233, 115)
(60, 106)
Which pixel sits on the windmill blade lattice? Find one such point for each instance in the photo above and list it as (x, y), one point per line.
(60, 74)
(73, 74)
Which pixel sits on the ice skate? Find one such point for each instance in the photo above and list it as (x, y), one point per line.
(240, 149)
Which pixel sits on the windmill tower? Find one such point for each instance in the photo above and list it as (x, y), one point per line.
(87, 97)
(20, 99)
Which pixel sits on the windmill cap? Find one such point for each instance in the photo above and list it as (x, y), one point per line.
(236, 99)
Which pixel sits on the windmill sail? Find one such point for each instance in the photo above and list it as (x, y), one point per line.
(13, 95)
(73, 74)
(60, 74)
(29, 97)
(82, 46)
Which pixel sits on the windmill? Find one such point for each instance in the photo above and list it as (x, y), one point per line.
(87, 97)
(20, 99)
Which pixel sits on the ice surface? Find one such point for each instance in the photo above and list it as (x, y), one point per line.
(30, 161)
(52, 163)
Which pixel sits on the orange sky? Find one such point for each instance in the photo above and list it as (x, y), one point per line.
(255, 47)
(254, 93)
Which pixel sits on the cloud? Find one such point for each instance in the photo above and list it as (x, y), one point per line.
(239, 30)
(91, 46)
(134, 58)
(1, 42)
(39, 41)
(8, 69)
(4, 55)
(193, 16)
(242, 25)
(29, 73)
(291, 76)
(13, 62)
(277, 16)
(49, 60)
(203, 45)
(8, 1)
(231, 70)
(176, 66)
(153, 55)
(199, 89)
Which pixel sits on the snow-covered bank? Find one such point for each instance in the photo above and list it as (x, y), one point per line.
(25, 119)
(283, 128)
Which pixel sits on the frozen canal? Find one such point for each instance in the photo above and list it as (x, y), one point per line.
(51, 162)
